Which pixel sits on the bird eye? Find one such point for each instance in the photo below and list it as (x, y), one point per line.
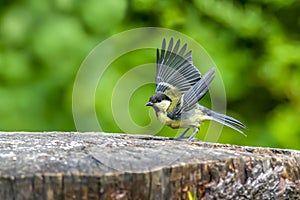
(153, 100)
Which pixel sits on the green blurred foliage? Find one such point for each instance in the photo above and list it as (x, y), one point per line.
(255, 44)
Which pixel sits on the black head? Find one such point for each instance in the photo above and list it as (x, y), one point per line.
(157, 98)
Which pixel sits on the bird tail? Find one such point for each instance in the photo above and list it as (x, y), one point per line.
(224, 119)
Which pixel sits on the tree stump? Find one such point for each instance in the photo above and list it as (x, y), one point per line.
(55, 165)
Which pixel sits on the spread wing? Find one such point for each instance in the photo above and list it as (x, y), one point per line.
(189, 100)
(175, 70)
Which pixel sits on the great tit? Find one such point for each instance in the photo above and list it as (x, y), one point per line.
(179, 87)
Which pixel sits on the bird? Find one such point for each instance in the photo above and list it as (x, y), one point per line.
(179, 87)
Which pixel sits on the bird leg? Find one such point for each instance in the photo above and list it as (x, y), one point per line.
(193, 135)
(182, 134)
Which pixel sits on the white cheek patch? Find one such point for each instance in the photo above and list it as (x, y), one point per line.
(164, 105)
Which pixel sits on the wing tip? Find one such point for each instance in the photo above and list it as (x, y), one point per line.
(163, 45)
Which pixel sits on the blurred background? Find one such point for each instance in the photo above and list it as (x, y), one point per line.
(255, 44)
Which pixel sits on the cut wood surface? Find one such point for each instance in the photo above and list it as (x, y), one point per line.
(71, 165)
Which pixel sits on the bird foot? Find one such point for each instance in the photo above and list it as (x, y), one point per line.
(180, 138)
(188, 138)
(193, 139)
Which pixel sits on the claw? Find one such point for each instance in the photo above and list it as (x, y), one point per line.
(180, 138)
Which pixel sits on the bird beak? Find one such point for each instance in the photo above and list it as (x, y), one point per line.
(149, 104)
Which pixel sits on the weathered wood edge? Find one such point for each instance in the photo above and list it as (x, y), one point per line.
(269, 173)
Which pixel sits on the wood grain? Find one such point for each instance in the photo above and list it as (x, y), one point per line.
(71, 165)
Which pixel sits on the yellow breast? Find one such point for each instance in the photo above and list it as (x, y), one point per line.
(195, 119)
(164, 119)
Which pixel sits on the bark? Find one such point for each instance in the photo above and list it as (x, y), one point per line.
(71, 165)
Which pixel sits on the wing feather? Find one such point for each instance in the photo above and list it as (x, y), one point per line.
(195, 93)
(189, 100)
(175, 69)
